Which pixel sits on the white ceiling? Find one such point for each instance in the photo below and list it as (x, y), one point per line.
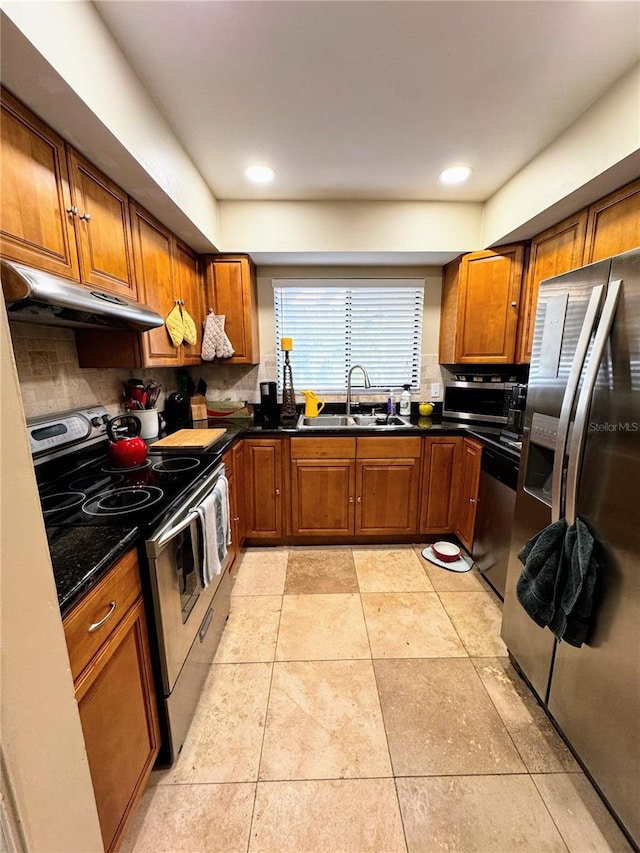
(352, 99)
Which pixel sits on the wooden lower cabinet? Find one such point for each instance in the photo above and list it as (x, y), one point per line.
(322, 497)
(440, 472)
(115, 694)
(387, 499)
(264, 495)
(469, 479)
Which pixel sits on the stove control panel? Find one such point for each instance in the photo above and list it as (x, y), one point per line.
(54, 433)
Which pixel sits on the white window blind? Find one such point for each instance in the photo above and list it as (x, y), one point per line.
(336, 323)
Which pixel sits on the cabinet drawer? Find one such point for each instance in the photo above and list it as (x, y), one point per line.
(390, 448)
(107, 604)
(323, 448)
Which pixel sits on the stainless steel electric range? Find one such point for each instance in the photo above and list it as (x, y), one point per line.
(154, 506)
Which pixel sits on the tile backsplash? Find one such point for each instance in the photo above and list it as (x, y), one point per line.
(52, 381)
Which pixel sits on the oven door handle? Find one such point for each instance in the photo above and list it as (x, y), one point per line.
(169, 534)
(157, 542)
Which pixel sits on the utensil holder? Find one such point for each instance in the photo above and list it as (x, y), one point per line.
(148, 422)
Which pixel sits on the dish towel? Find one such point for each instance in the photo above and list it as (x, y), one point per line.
(216, 531)
(573, 610)
(215, 343)
(542, 557)
(557, 585)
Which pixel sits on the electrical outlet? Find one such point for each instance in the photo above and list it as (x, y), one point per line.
(435, 390)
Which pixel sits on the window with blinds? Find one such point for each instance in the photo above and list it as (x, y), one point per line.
(336, 323)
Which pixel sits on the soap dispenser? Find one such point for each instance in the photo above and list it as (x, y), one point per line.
(405, 401)
(391, 407)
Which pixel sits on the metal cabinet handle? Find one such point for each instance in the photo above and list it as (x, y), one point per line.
(96, 625)
(85, 216)
(73, 210)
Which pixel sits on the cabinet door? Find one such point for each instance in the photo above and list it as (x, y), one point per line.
(469, 482)
(104, 239)
(237, 453)
(119, 720)
(387, 496)
(232, 291)
(322, 496)
(557, 250)
(36, 224)
(489, 297)
(154, 274)
(233, 511)
(440, 471)
(263, 488)
(614, 224)
(190, 287)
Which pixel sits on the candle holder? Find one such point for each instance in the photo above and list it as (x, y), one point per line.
(289, 412)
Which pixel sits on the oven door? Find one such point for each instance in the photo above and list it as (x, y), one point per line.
(181, 602)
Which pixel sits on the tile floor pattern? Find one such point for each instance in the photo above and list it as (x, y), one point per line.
(362, 700)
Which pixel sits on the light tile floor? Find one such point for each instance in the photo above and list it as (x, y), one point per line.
(362, 700)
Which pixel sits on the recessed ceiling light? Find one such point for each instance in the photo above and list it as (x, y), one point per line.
(455, 174)
(260, 174)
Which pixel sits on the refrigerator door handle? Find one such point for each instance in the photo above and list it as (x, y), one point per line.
(570, 392)
(586, 393)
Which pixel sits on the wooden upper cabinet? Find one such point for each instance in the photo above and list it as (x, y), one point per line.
(152, 244)
(101, 214)
(36, 227)
(614, 224)
(555, 251)
(481, 297)
(190, 286)
(232, 291)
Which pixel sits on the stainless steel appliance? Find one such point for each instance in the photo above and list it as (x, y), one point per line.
(34, 296)
(486, 400)
(581, 458)
(79, 487)
(494, 520)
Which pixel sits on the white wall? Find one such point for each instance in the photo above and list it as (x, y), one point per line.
(43, 754)
(606, 135)
(259, 227)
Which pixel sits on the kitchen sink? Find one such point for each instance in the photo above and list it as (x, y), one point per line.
(393, 422)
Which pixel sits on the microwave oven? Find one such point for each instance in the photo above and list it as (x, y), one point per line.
(480, 402)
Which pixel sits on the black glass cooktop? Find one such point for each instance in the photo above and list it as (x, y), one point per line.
(87, 489)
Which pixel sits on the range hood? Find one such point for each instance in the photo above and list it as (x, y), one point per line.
(33, 296)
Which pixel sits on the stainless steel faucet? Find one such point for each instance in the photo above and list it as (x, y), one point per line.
(367, 384)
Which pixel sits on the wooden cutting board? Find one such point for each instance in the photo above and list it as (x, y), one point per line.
(189, 439)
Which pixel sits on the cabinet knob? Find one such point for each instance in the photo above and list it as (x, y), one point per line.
(351, 499)
(359, 499)
(472, 500)
(73, 210)
(85, 216)
(514, 304)
(277, 491)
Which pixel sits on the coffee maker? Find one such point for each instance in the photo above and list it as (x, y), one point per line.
(177, 412)
(269, 409)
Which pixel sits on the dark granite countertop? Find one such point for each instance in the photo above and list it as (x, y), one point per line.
(82, 555)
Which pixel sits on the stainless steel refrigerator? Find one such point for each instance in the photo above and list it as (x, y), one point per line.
(581, 457)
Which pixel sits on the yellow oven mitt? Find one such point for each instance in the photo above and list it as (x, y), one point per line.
(175, 325)
(190, 331)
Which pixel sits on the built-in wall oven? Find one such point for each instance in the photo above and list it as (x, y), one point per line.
(186, 607)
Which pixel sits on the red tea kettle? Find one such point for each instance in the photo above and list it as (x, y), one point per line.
(126, 448)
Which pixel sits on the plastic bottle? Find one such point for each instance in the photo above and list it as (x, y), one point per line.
(405, 401)
(391, 408)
